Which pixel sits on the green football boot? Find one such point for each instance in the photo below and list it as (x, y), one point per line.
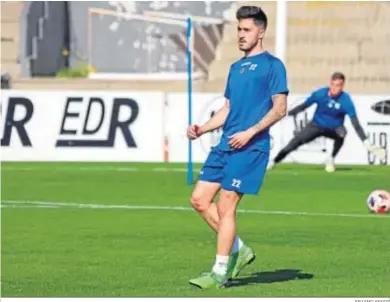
(210, 280)
(238, 261)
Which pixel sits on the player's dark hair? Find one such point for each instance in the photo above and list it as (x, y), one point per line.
(252, 12)
(338, 76)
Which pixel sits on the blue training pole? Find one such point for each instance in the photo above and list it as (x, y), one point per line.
(189, 71)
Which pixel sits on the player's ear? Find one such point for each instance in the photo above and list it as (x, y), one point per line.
(261, 32)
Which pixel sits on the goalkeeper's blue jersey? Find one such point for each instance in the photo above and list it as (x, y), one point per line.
(331, 111)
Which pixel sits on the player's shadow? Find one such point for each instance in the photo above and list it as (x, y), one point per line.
(282, 275)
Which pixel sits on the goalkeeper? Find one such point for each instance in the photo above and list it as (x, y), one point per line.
(333, 104)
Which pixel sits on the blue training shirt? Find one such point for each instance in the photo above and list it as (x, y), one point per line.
(331, 111)
(251, 83)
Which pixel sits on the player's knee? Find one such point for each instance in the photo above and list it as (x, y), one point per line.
(199, 203)
(341, 132)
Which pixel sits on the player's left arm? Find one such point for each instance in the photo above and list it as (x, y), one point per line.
(278, 89)
(277, 112)
(277, 84)
(377, 151)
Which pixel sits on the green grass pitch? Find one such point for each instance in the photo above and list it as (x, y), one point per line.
(304, 246)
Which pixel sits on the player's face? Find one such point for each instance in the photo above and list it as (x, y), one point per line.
(336, 87)
(249, 34)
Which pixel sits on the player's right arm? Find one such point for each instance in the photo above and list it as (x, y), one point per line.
(213, 123)
(309, 101)
(216, 121)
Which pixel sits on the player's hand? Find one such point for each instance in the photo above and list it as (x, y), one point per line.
(193, 132)
(379, 152)
(240, 139)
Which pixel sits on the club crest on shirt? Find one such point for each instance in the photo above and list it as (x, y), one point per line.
(333, 104)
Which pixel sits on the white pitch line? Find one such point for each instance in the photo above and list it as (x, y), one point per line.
(97, 169)
(160, 169)
(26, 206)
(178, 208)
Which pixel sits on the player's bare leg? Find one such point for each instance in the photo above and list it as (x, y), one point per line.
(227, 205)
(202, 201)
(241, 255)
(228, 263)
(239, 258)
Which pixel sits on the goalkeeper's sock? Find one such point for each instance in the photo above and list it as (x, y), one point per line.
(330, 166)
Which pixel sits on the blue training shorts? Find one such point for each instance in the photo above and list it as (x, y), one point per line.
(238, 171)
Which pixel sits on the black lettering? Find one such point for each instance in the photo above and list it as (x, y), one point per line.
(10, 122)
(114, 125)
(370, 157)
(125, 125)
(96, 129)
(383, 144)
(69, 114)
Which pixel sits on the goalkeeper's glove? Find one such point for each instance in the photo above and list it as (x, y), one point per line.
(379, 152)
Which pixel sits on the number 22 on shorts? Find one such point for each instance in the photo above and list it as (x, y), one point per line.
(236, 183)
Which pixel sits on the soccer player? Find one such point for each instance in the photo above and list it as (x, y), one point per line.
(333, 104)
(256, 98)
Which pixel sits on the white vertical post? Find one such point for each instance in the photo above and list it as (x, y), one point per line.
(280, 52)
(281, 30)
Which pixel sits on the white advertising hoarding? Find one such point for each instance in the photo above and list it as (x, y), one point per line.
(82, 126)
(151, 127)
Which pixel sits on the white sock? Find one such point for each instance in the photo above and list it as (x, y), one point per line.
(237, 245)
(220, 266)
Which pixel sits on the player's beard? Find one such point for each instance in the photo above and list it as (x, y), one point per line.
(249, 48)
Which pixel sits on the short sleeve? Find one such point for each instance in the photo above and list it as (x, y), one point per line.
(278, 78)
(227, 88)
(350, 108)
